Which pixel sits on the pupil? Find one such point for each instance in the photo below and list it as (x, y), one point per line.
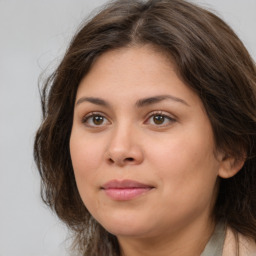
(158, 119)
(98, 120)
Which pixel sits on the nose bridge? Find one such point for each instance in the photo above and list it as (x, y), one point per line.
(121, 139)
(123, 147)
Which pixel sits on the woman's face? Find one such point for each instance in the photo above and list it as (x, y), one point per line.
(142, 146)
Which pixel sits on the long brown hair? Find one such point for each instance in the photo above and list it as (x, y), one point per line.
(209, 58)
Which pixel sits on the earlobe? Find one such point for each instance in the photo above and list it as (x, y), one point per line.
(230, 166)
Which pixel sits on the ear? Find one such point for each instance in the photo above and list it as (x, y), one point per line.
(230, 166)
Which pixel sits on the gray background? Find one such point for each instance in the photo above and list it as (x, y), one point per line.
(33, 38)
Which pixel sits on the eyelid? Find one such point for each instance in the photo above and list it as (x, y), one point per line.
(165, 114)
(92, 114)
(171, 117)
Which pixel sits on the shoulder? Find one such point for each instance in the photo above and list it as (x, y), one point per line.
(236, 244)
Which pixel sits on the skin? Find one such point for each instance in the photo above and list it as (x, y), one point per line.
(125, 140)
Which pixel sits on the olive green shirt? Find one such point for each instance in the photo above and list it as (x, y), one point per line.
(214, 247)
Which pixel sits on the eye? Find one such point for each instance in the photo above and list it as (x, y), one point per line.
(95, 120)
(160, 119)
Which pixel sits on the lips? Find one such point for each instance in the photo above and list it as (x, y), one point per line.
(125, 189)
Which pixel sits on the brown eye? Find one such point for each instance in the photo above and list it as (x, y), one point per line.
(98, 120)
(95, 120)
(159, 119)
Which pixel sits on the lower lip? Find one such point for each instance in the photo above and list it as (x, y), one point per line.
(125, 194)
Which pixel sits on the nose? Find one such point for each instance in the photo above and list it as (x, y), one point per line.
(124, 148)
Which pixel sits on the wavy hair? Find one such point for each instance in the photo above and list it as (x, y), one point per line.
(209, 58)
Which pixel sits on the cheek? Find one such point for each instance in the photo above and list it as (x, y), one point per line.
(86, 156)
(187, 175)
(85, 152)
(185, 162)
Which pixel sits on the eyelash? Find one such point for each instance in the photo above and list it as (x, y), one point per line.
(170, 120)
(166, 117)
(91, 115)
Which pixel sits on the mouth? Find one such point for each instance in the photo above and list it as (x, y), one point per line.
(125, 190)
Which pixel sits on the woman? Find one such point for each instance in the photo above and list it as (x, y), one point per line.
(147, 145)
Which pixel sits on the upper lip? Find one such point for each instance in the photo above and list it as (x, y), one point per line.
(124, 184)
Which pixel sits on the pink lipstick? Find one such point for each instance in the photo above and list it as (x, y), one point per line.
(125, 189)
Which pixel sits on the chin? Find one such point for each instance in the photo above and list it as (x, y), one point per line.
(127, 231)
(122, 226)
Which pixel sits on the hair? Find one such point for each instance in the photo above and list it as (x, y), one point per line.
(209, 58)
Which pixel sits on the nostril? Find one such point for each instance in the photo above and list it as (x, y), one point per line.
(129, 159)
(111, 160)
(120, 161)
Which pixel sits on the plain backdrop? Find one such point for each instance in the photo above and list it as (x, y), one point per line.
(33, 37)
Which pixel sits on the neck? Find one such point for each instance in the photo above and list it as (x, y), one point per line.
(189, 241)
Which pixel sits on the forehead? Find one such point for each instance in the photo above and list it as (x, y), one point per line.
(132, 73)
(143, 58)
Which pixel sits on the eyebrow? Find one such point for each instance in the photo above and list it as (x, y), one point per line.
(157, 99)
(96, 101)
(140, 103)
